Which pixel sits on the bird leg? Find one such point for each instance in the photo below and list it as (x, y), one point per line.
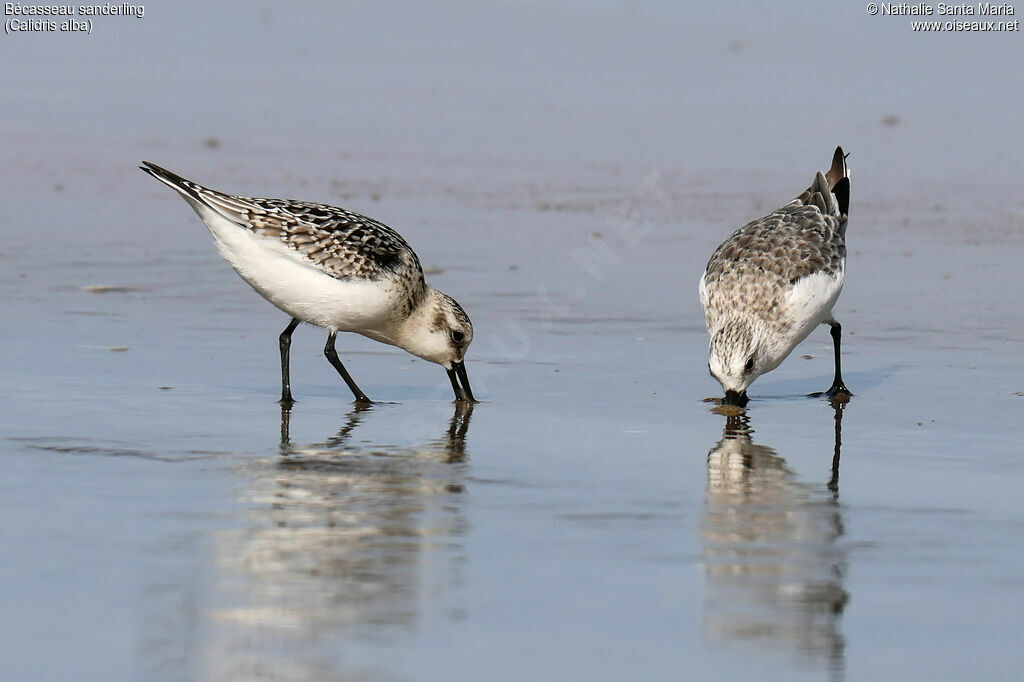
(838, 387)
(332, 357)
(285, 341)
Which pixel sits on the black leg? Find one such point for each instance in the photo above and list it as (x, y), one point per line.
(838, 387)
(286, 344)
(332, 357)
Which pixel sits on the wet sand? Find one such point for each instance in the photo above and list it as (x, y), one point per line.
(592, 518)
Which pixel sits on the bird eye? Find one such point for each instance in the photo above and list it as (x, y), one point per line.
(458, 337)
(749, 367)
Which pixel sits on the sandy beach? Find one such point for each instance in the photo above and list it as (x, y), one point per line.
(564, 171)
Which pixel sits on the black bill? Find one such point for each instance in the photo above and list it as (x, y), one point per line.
(738, 398)
(457, 374)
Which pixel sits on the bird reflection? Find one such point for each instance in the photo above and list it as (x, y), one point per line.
(772, 554)
(345, 539)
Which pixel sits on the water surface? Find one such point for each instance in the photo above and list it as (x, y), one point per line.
(565, 172)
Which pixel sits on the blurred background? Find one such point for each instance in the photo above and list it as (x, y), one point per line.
(563, 169)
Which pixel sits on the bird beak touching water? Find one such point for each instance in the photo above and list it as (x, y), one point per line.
(738, 398)
(463, 393)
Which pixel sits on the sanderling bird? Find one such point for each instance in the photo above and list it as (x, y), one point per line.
(335, 269)
(774, 280)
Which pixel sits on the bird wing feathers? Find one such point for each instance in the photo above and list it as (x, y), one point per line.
(344, 244)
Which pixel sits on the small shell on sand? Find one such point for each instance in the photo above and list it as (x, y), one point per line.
(106, 289)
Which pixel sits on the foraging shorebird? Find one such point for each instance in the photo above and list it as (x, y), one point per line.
(774, 280)
(335, 269)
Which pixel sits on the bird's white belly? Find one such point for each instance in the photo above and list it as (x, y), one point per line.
(810, 303)
(300, 289)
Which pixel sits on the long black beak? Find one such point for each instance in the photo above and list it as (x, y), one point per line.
(463, 393)
(735, 398)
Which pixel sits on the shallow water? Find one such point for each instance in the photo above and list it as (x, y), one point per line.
(592, 518)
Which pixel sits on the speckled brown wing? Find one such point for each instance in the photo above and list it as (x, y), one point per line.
(343, 244)
(792, 242)
(758, 264)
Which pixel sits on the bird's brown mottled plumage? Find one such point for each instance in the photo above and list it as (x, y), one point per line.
(344, 244)
(759, 262)
(776, 278)
(336, 269)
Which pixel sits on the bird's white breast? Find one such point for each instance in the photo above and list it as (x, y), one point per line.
(810, 302)
(296, 286)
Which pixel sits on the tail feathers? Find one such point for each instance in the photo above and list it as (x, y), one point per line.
(830, 192)
(186, 188)
(842, 194)
(839, 170)
(235, 209)
(820, 194)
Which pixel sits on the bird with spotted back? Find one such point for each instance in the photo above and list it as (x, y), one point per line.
(335, 269)
(768, 285)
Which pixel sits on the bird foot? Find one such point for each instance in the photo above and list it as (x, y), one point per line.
(838, 393)
(838, 389)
